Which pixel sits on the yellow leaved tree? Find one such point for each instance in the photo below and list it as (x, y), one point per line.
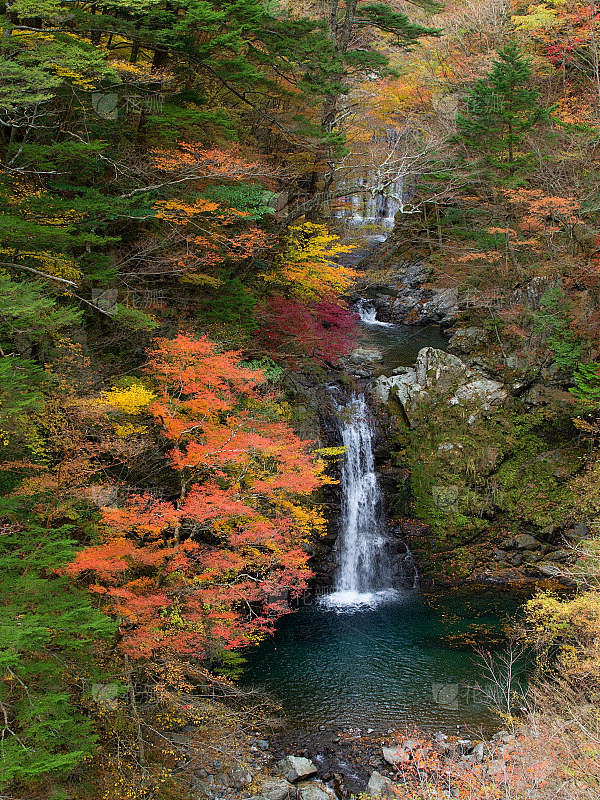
(308, 268)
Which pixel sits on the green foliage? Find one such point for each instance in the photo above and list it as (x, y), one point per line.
(587, 383)
(48, 634)
(500, 110)
(384, 18)
(134, 318)
(272, 371)
(28, 318)
(553, 322)
(249, 198)
(233, 304)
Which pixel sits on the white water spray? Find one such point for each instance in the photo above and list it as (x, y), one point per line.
(364, 577)
(368, 313)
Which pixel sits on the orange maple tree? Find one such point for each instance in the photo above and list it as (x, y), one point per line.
(213, 568)
(198, 233)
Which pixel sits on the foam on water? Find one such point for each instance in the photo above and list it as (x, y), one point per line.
(350, 601)
(368, 314)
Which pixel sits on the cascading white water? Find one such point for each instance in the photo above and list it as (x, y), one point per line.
(368, 313)
(364, 576)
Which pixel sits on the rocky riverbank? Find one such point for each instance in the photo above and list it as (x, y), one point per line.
(337, 765)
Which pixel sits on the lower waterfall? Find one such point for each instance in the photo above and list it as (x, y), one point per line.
(365, 573)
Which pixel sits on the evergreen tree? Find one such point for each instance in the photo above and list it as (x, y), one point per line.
(500, 110)
(49, 631)
(587, 383)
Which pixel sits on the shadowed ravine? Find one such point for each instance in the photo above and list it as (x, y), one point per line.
(371, 653)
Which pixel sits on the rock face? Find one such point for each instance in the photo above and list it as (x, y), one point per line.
(296, 768)
(436, 376)
(365, 355)
(405, 300)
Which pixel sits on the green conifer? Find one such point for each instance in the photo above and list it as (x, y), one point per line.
(500, 110)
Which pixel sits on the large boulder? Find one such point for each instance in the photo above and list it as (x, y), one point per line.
(403, 388)
(440, 372)
(278, 789)
(483, 392)
(379, 786)
(443, 303)
(525, 541)
(366, 355)
(395, 755)
(296, 768)
(315, 790)
(438, 376)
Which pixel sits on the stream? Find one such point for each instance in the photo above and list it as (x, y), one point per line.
(374, 652)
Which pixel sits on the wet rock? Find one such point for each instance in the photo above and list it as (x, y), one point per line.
(238, 777)
(379, 785)
(296, 768)
(366, 355)
(394, 755)
(315, 790)
(524, 541)
(262, 744)
(278, 789)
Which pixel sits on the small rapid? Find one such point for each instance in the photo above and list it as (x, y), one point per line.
(368, 313)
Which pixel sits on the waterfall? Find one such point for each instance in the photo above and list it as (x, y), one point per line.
(368, 313)
(365, 575)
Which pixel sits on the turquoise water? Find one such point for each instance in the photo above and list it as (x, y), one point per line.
(400, 344)
(407, 662)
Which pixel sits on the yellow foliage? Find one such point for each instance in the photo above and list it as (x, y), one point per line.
(131, 400)
(180, 213)
(569, 628)
(59, 266)
(76, 78)
(331, 452)
(128, 429)
(201, 279)
(308, 267)
(537, 17)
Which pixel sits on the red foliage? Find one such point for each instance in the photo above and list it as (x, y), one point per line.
(213, 569)
(323, 330)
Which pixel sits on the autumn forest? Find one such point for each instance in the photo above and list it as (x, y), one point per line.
(180, 260)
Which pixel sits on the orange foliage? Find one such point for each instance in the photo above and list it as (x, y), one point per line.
(213, 569)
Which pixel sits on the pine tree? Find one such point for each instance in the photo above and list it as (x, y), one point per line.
(501, 109)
